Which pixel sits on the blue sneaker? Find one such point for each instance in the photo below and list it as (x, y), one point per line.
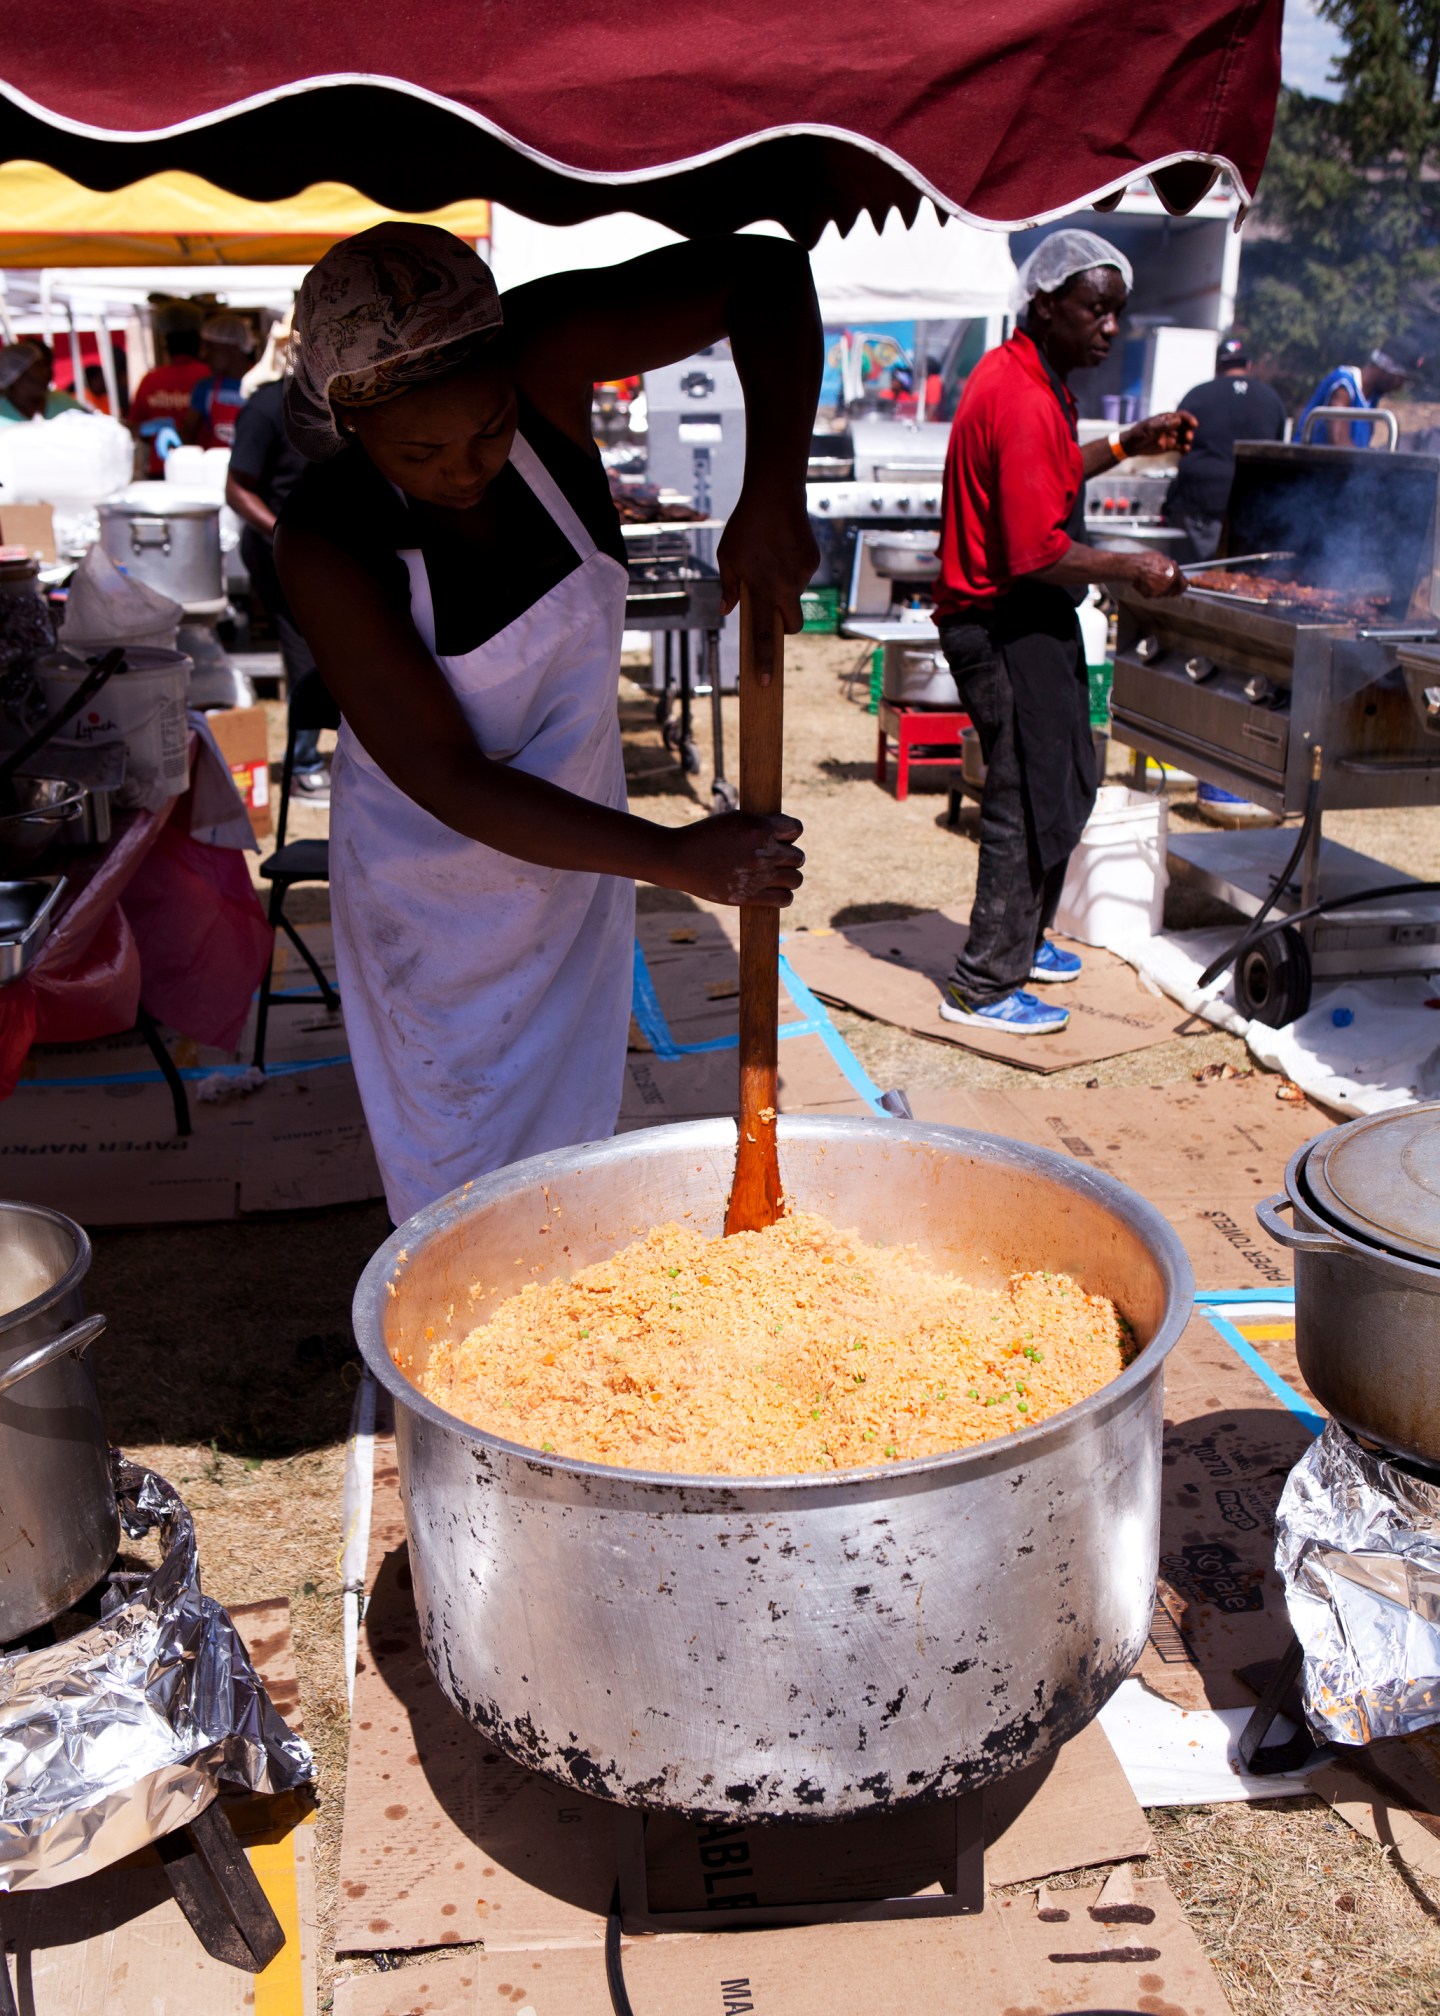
(1019, 1014)
(1050, 963)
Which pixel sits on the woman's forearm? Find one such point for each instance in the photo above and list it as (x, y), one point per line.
(734, 858)
(537, 821)
(773, 319)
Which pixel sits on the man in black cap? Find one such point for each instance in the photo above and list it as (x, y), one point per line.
(1232, 407)
(1393, 365)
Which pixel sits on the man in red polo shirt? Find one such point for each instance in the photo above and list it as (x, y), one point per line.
(1013, 570)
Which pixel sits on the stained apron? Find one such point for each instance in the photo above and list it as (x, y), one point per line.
(486, 999)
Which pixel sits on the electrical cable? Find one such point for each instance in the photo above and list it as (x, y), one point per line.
(1332, 903)
(614, 1973)
(1257, 928)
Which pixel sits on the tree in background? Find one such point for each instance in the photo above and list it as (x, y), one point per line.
(1344, 245)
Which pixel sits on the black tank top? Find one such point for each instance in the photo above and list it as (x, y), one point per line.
(477, 589)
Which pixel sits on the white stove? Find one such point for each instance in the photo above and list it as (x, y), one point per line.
(917, 499)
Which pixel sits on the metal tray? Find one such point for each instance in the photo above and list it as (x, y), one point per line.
(27, 910)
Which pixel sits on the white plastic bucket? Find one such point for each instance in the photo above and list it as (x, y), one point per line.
(144, 707)
(1115, 887)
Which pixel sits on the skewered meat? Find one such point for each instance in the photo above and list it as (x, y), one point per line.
(634, 510)
(1268, 588)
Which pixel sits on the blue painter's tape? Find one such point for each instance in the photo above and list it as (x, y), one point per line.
(1219, 1297)
(192, 1074)
(818, 1015)
(815, 1021)
(650, 1019)
(1244, 1349)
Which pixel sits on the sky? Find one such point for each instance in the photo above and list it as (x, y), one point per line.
(1306, 50)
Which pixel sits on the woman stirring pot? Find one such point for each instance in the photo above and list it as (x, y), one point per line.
(455, 562)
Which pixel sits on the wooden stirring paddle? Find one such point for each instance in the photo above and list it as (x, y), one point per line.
(755, 1198)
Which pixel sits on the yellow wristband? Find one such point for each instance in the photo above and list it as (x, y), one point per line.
(1116, 447)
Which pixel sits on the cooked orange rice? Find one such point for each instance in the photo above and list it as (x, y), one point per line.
(771, 1353)
(768, 1353)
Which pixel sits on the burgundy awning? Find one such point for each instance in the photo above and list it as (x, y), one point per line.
(704, 114)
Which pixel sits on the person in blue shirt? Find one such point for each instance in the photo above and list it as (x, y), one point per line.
(227, 345)
(1394, 364)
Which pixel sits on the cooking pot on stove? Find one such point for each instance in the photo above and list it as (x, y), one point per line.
(918, 678)
(1365, 1203)
(58, 1524)
(906, 556)
(782, 1647)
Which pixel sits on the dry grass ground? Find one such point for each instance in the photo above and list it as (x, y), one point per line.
(229, 1365)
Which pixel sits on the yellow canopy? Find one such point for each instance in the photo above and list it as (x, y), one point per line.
(169, 220)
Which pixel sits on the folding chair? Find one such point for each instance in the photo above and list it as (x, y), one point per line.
(296, 860)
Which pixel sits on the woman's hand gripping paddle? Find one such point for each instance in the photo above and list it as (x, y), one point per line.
(755, 1199)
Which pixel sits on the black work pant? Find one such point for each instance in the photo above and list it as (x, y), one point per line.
(1015, 899)
(259, 556)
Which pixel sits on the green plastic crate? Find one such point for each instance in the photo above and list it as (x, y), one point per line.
(1102, 678)
(821, 610)
(877, 678)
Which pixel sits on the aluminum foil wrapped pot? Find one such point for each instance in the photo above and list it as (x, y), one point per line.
(785, 1647)
(126, 1731)
(1357, 1541)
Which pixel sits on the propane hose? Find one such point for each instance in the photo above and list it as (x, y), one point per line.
(614, 1970)
(1257, 928)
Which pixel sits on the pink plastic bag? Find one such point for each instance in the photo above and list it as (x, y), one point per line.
(203, 937)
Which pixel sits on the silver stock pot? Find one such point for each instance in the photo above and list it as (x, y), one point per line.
(58, 1524)
(785, 1647)
(169, 538)
(1364, 1201)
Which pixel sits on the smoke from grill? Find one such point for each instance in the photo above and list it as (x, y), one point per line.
(1362, 522)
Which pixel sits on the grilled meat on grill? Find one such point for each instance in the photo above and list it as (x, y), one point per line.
(1291, 594)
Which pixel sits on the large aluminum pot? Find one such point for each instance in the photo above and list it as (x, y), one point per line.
(786, 1647)
(918, 677)
(1365, 1204)
(905, 556)
(169, 538)
(58, 1524)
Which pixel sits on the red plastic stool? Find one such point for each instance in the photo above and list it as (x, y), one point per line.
(920, 735)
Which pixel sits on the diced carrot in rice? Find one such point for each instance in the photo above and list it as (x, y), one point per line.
(796, 1349)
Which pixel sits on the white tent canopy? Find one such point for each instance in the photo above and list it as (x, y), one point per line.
(930, 273)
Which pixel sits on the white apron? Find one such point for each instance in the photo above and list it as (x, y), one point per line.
(486, 1000)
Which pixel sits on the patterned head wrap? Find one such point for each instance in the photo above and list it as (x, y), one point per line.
(394, 307)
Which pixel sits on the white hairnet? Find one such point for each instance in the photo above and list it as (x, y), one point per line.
(15, 360)
(1059, 258)
(230, 329)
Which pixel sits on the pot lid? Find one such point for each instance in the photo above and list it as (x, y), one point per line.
(160, 500)
(1379, 1178)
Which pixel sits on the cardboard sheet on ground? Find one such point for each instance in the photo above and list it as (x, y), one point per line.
(446, 1842)
(1012, 1961)
(896, 972)
(692, 963)
(1203, 1154)
(91, 1130)
(118, 1944)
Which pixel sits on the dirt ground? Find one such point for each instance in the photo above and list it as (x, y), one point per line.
(229, 1365)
